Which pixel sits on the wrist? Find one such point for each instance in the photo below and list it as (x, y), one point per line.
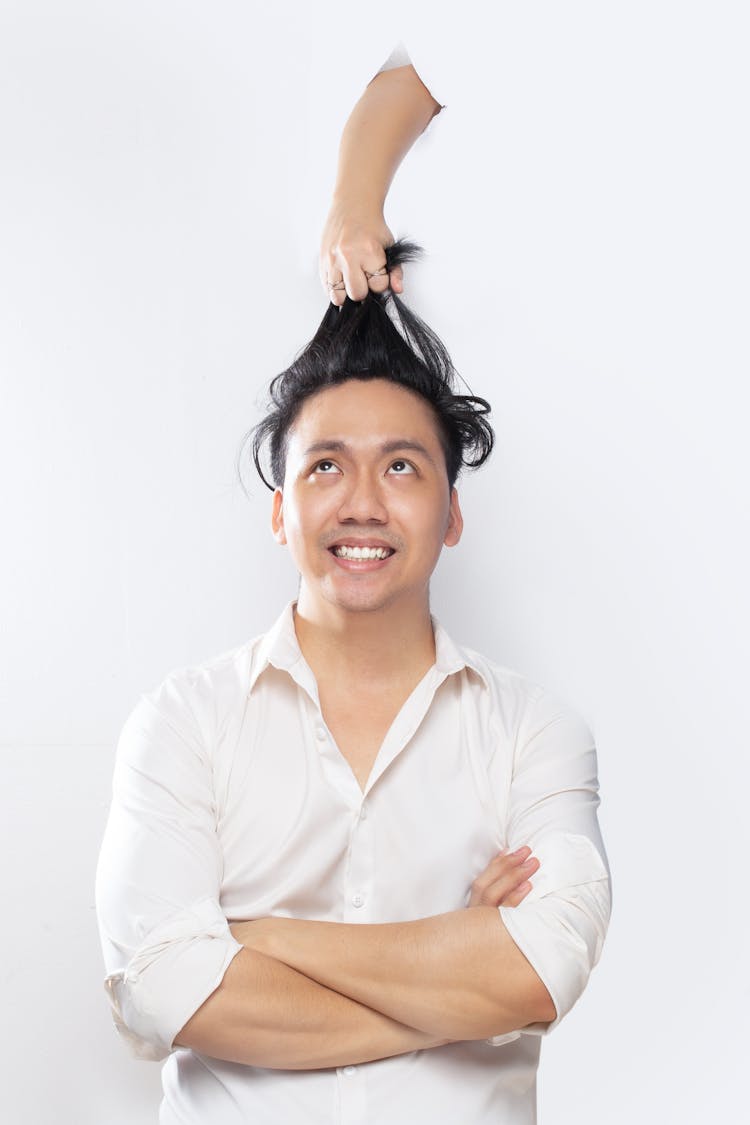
(358, 201)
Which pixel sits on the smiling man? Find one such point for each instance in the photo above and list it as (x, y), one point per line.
(315, 890)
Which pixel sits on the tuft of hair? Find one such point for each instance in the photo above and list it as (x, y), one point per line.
(377, 338)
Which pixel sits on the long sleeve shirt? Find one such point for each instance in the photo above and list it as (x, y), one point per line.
(232, 801)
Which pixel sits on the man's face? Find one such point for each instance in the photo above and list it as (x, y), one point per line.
(365, 475)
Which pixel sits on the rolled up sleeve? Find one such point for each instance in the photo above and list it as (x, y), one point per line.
(165, 940)
(561, 925)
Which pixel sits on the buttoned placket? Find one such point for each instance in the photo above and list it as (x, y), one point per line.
(358, 904)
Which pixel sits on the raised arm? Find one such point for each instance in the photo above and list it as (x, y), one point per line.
(395, 108)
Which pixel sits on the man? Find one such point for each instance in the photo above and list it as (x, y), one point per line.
(314, 891)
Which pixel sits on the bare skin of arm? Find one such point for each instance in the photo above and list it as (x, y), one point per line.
(457, 975)
(394, 110)
(267, 1014)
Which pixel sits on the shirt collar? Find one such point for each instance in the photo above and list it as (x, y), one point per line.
(280, 648)
(451, 657)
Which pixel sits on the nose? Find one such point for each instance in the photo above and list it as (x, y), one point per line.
(363, 500)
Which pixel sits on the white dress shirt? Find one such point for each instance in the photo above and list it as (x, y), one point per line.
(232, 801)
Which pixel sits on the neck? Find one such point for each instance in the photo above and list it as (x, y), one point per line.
(374, 647)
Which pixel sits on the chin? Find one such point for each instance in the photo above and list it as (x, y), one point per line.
(360, 601)
(362, 604)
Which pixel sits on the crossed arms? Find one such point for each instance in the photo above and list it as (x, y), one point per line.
(298, 994)
(307, 994)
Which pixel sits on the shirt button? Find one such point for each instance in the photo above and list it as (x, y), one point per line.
(320, 733)
(350, 1070)
(358, 900)
(363, 813)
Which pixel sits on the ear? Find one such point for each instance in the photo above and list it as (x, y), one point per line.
(277, 516)
(455, 521)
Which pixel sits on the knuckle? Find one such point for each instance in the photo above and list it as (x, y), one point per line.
(346, 248)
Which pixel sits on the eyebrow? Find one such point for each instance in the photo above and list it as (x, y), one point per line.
(338, 446)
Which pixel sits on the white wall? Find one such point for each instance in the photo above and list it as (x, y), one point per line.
(162, 196)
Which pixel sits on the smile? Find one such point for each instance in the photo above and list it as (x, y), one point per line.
(344, 552)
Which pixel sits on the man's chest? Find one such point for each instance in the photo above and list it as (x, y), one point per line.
(335, 818)
(358, 726)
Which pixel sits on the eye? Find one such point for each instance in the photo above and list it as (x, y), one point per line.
(402, 468)
(326, 467)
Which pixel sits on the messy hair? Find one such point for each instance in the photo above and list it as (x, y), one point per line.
(377, 338)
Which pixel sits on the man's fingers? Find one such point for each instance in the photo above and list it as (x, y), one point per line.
(353, 271)
(336, 294)
(378, 282)
(517, 896)
(353, 250)
(504, 861)
(334, 283)
(397, 279)
(509, 881)
(354, 279)
(503, 877)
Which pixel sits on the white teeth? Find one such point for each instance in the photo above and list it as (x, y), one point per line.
(361, 552)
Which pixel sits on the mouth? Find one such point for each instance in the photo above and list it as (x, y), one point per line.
(357, 557)
(354, 552)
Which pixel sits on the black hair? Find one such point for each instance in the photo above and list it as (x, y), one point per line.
(361, 340)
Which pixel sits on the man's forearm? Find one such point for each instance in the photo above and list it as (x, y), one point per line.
(386, 121)
(457, 975)
(266, 1014)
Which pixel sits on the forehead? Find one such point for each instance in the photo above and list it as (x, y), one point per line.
(366, 412)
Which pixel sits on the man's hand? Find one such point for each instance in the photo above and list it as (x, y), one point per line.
(504, 882)
(352, 253)
(505, 879)
(395, 108)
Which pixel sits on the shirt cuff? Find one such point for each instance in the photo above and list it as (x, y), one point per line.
(559, 928)
(180, 963)
(499, 1040)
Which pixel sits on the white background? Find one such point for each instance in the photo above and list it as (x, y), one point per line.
(165, 174)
